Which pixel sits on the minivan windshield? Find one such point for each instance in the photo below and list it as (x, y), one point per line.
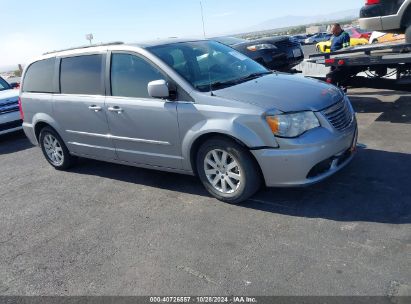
(229, 40)
(209, 65)
(4, 85)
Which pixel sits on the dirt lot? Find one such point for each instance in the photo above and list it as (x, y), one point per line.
(104, 229)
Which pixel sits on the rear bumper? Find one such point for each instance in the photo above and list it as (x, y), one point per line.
(381, 17)
(305, 164)
(29, 131)
(373, 23)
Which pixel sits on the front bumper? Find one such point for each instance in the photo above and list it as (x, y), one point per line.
(308, 159)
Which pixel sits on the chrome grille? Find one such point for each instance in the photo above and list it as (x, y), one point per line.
(339, 115)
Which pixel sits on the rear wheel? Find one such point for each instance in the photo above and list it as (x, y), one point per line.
(54, 149)
(227, 170)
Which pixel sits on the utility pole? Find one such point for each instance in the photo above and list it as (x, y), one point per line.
(90, 38)
(202, 18)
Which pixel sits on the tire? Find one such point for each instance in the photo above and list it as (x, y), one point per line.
(54, 149)
(237, 178)
(375, 41)
(408, 34)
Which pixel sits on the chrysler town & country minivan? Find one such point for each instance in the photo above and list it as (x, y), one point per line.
(190, 106)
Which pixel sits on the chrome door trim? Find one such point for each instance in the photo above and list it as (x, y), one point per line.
(90, 146)
(109, 136)
(125, 151)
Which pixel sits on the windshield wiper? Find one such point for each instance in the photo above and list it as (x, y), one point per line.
(222, 84)
(253, 76)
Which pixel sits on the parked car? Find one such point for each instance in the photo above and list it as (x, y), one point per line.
(193, 107)
(380, 37)
(320, 37)
(301, 38)
(356, 32)
(387, 15)
(276, 53)
(10, 120)
(325, 47)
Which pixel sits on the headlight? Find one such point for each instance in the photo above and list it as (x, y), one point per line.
(263, 46)
(292, 125)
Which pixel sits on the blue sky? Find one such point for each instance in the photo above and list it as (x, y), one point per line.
(36, 26)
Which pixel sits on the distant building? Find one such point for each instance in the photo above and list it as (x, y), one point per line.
(315, 29)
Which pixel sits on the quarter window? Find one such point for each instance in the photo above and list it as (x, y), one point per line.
(131, 74)
(39, 77)
(82, 75)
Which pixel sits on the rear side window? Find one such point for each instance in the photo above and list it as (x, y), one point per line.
(82, 75)
(39, 77)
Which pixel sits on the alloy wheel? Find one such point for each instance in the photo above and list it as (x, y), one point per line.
(223, 171)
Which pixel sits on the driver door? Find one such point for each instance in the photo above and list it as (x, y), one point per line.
(144, 129)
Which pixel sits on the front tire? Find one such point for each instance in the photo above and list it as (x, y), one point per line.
(408, 34)
(227, 170)
(54, 149)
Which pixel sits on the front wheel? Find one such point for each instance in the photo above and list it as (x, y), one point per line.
(227, 170)
(408, 34)
(54, 149)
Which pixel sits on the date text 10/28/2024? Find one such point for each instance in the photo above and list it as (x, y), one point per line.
(203, 300)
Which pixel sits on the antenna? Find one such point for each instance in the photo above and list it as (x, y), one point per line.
(209, 53)
(202, 18)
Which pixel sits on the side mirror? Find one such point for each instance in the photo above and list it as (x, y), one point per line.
(15, 85)
(158, 89)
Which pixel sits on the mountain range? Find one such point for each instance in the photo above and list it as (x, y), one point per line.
(289, 21)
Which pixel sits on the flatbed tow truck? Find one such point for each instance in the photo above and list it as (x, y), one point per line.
(382, 66)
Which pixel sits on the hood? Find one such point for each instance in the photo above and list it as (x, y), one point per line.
(284, 92)
(8, 96)
(262, 40)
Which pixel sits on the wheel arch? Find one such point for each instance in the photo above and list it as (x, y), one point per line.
(42, 120)
(207, 136)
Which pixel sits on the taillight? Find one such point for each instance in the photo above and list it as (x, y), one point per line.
(372, 2)
(21, 110)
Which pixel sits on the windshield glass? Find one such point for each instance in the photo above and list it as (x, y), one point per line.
(208, 65)
(4, 85)
(229, 40)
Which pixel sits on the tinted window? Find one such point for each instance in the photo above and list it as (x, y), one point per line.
(82, 75)
(39, 77)
(130, 76)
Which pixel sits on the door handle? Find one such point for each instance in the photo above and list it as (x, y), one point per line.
(116, 109)
(95, 108)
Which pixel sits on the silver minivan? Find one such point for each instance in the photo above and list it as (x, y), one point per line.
(189, 106)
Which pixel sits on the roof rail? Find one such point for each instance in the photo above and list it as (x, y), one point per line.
(85, 47)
